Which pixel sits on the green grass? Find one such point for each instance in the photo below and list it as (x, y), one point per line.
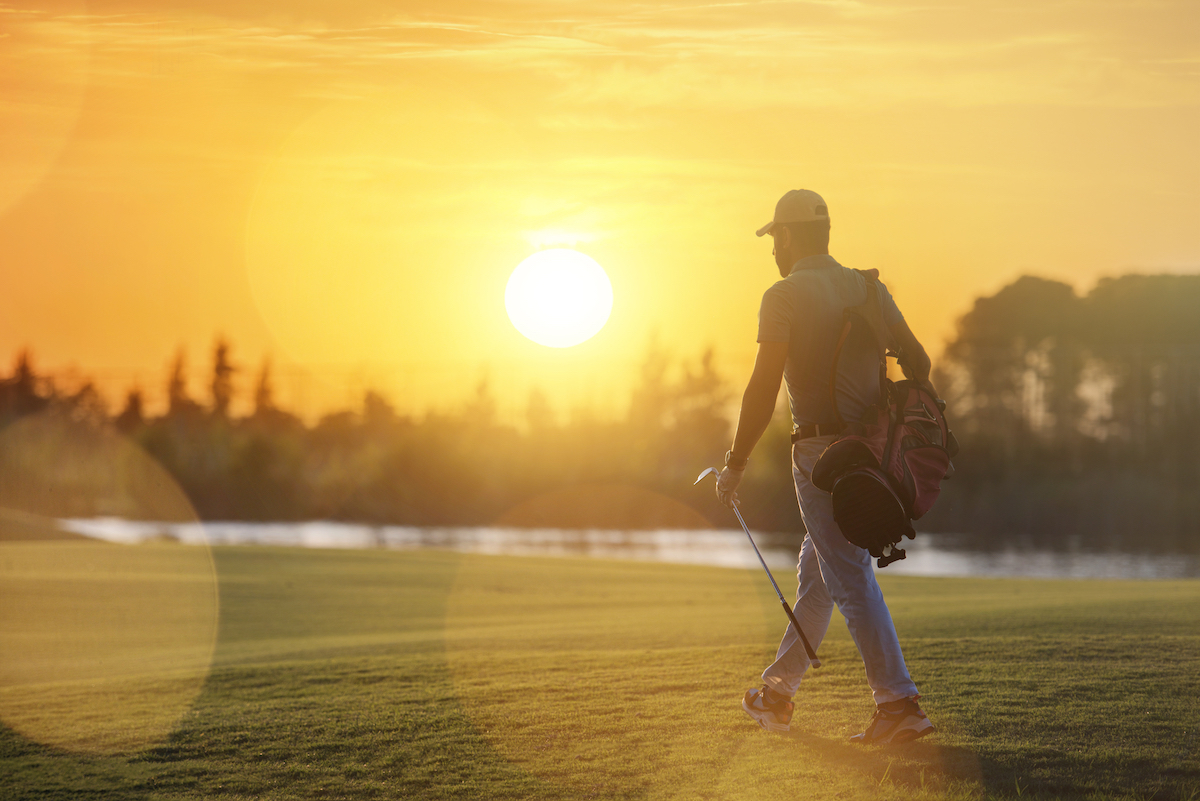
(360, 674)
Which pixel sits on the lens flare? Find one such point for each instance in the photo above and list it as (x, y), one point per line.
(103, 647)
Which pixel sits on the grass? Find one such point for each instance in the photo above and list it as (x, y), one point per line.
(370, 674)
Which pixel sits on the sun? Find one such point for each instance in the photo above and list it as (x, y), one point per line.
(558, 297)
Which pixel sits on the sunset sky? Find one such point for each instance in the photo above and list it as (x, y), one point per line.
(347, 186)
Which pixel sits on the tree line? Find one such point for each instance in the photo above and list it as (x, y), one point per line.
(463, 466)
(1078, 416)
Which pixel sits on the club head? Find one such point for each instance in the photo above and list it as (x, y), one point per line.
(701, 477)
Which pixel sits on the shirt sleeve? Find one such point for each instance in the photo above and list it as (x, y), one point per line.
(891, 312)
(774, 315)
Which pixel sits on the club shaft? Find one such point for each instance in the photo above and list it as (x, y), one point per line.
(757, 552)
(808, 649)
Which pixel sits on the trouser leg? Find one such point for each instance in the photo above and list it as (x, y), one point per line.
(849, 579)
(813, 610)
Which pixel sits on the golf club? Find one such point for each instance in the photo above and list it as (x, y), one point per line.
(812, 657)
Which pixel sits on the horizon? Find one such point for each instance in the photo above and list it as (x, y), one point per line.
(312, 391)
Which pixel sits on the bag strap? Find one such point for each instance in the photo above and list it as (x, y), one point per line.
(870, 312)
(837, 352)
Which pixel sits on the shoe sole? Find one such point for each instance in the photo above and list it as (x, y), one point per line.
(908, 736)
(775, 727)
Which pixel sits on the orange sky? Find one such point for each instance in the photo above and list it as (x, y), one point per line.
(347, 186)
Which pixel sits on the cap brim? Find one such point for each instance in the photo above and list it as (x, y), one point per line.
(766, 229)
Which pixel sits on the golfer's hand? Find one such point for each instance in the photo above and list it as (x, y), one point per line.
(727, 483)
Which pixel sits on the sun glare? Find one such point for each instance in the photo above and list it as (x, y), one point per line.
(558, 297)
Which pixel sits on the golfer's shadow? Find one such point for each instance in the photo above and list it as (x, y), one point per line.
(924, 764)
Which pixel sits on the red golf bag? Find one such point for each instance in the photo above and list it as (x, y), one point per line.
(885, 470)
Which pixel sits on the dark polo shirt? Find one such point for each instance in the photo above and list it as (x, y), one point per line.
(805, 311)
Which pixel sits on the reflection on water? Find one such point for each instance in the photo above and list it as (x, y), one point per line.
(928, 555)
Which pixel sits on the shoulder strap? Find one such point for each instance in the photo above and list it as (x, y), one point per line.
(869, 312)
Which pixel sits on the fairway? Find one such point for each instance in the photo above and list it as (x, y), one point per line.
(426, 674)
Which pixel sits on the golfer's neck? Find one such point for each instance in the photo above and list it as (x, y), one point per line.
(804, 254)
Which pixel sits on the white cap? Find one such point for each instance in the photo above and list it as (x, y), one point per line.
(798, 205)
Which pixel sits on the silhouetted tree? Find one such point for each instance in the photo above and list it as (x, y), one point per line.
(179, 404)
(85, 405)
(1019, 352)
(378, 414)
(222, 378)
(264, 389)
(132, 417)
(20, 394)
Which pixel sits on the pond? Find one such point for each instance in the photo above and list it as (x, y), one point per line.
(928, 555)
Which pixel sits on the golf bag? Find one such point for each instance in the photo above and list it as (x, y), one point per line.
(885, 470)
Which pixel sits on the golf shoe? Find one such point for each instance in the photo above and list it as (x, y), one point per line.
(898, 722)
(771, 715)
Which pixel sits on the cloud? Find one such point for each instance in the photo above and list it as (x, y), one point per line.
(697, 55)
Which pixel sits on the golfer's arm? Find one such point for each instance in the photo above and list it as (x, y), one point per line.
(915, 357)
(758, 403)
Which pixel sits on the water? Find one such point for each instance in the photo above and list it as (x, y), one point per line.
(928, 555)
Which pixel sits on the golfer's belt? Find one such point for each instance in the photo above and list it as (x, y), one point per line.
(804, 432)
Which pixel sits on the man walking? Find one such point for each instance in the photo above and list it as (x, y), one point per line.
(798, 328)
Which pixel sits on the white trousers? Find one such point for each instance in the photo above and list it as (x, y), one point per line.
(833, 571)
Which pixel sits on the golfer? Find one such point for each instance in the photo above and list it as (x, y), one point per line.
(798, 328)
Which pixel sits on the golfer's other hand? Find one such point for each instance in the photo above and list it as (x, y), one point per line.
(727, 483)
